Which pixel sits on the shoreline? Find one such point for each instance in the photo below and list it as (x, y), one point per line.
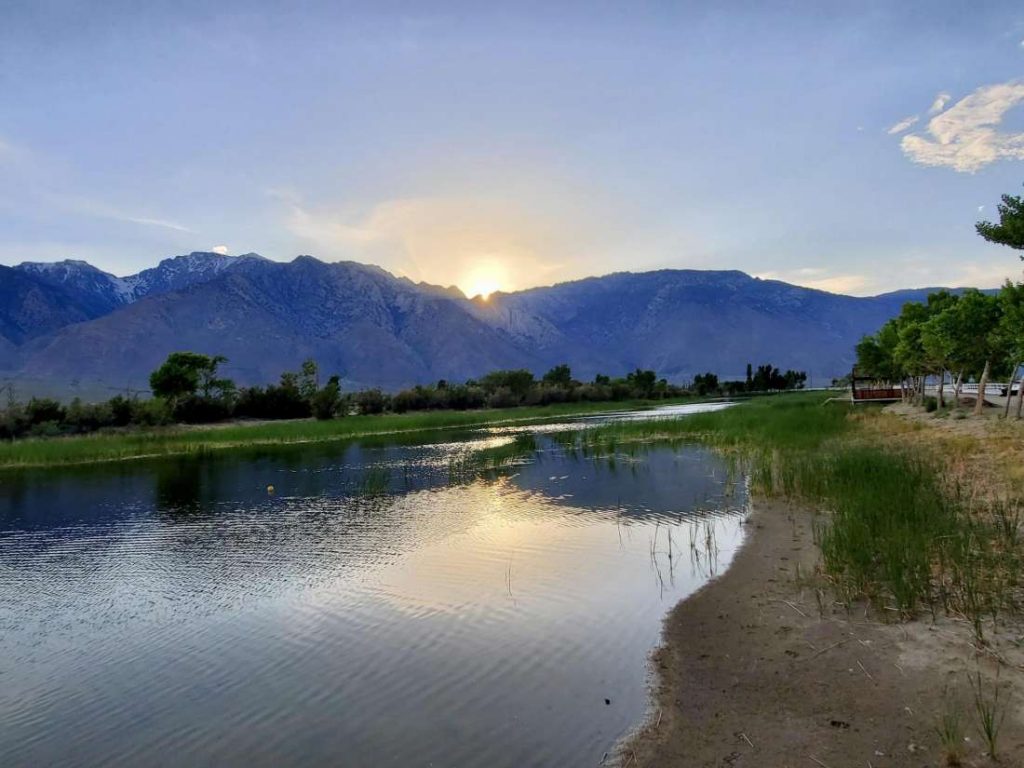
(181, 440)
(761, 668)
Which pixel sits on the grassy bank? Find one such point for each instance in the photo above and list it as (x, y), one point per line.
(173, 441)
(897, 528)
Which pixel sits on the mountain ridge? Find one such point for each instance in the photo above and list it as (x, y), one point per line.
(71, 327)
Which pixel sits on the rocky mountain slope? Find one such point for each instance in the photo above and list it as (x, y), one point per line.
(71, 327)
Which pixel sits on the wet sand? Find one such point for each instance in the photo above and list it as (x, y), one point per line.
(755, 671)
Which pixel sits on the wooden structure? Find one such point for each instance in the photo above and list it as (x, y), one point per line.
(867, 389)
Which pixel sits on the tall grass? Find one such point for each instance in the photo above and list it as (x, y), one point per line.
(892, 531)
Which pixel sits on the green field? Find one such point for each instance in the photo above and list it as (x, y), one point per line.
(173, 441)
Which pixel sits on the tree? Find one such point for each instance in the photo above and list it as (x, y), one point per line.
(559, 376)
(642, 382)
(968, 329)
(518, 382)
(1011, 333)
(309, 379)
(186, 373)
(936, 353)
(327, 401)
(1010, 229)
(704, 383)
(876, 355)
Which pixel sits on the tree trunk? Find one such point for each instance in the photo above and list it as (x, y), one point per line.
(956, 387)
(980, 404)
(941, 393)
(1009, 390)
(1020, 398)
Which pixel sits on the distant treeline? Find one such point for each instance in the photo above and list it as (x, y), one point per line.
(188, 389)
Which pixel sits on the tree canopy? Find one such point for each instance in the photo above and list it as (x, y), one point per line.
(1010, 229)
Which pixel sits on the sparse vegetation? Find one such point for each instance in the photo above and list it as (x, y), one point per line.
(896, 532)
(950, 731)
(990, 709)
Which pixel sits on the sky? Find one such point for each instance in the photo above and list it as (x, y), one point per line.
(843, 146)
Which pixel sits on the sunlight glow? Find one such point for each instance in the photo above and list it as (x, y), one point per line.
(484, 278)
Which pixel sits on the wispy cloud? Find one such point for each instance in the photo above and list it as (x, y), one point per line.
(221, 249)
(44, 183)
(99, 209)
(941, 100)
(964, 137)
(903, 125)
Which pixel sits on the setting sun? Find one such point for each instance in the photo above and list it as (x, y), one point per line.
(485, 277)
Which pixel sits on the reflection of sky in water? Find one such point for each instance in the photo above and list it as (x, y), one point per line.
(174, 612)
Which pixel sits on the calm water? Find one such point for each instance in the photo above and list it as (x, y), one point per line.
(375, 611)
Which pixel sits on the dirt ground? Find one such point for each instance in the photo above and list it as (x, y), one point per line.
(759, 669)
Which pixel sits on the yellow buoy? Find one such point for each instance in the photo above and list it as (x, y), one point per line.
(270, 490)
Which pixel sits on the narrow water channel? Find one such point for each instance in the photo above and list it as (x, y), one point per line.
(377, 609)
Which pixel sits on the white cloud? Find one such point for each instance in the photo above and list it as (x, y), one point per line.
(964, 137)
(148, 222)
(940, 103)
(903, 124)
(221, 249)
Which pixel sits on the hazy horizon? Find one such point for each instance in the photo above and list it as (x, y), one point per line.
(846, 149)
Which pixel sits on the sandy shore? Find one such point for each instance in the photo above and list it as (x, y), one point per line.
(754, 671)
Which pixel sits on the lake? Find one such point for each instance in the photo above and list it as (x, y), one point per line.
(383, 606)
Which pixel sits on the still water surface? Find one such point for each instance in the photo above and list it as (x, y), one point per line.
(377, 610)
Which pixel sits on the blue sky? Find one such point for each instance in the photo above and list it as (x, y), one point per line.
(510, 145)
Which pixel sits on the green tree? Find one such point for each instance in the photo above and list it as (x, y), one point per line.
(876, 355)
(518, 382)
(326, 402)
(703, 383)
(969, 332)
(1010, 229)
(1011, 333)
(309, 379)
(188, 373)
(559, 376)
(642, 382)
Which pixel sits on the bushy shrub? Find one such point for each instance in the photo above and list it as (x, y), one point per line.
(371, 401)
(196, 409)
(326, 402)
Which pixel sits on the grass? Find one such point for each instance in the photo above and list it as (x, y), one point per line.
(895, 532)
(951, 733)
(990, 711)
(174, 441)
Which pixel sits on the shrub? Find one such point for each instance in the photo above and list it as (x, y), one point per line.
(370, 401)
(326, 401)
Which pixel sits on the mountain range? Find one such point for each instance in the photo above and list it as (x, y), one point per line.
(68, 327)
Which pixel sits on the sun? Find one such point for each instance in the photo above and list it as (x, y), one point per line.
(485, 277)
